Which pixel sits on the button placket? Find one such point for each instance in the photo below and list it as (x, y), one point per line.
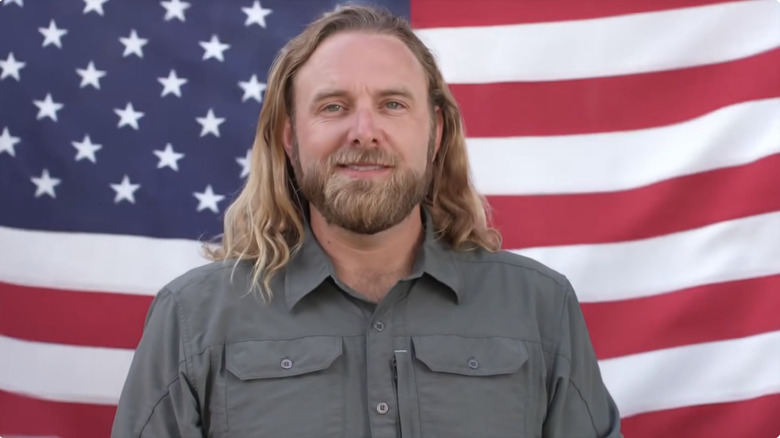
(381, 408)
(382, 333)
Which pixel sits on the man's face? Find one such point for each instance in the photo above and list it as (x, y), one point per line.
(364, 137)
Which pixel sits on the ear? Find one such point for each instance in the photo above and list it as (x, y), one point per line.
(287, 137)
(439, 128)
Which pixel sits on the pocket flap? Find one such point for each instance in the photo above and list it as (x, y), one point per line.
(470, 356)
(284, 358)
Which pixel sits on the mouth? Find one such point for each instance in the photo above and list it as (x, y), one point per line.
(362, 167)
(364, 170)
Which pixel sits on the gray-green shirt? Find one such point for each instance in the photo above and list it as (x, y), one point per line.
(472, 344)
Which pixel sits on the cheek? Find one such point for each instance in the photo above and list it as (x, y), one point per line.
(316, 143)
(414, 144)
(417, 155)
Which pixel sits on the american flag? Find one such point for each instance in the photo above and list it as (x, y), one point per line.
(632, 145)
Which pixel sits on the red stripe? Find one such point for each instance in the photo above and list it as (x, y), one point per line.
(669, 206)
(24, 416)
(115, 320)
(690, 316)
(755, 418)
(699, 314)
(616, 103)
(446, 13)
(69, 317)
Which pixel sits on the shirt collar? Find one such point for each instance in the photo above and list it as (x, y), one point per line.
(310, 266)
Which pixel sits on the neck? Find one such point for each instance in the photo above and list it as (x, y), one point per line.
(370, 264)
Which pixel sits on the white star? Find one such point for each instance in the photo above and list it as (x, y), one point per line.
(94, 5)
(7, 142)
(168, 157)
(128, 116)
(86, 149)
(252, 89)
(214, 48)
(18, 2)
(52, 34)
(175, 9)
(245, 163)
(208, 199)
(11, 67)
(133, 44)
(172, 84)
(210, 123)
(125, 190)
(45, 184)
(47, 108)
(90, 76)
(256, 14)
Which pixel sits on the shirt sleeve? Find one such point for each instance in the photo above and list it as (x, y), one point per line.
(157, 399)
(580, 406)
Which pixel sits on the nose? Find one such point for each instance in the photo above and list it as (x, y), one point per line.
(364, 130)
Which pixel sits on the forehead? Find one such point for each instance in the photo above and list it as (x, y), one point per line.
(356, 61)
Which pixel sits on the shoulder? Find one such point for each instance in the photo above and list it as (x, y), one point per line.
(214, 273)
(206, 288)
(207, 301)
(527, 289)
(508, 263)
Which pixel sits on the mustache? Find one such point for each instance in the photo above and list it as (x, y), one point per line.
(375, 156)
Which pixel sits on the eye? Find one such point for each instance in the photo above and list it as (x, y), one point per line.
(332, 108)
(393, 105)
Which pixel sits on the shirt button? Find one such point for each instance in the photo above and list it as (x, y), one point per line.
(382, 408)
(473, 363)
(379, 326)
(287, 363)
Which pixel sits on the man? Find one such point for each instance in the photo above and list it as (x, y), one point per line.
(358, 290)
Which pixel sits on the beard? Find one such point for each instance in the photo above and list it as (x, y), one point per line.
(363, 205)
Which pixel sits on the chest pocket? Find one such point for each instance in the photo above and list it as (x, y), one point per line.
(469, 387)
(285, 387)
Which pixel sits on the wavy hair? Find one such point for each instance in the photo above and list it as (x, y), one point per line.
(264, 224)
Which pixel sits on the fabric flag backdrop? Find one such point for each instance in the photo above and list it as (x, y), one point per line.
(633, 146)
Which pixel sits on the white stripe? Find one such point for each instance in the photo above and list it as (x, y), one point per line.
(725, 251)
(704, 373)
(63, 372)
(714, 372)
(626, 44)
(733, 135)
(94, 262)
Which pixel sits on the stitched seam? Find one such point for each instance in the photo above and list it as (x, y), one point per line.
(221, 344)
(214, 271)
(568, 292)
(343, 384)
(185, 334)
(560, 278)
(546, 346)
(563, 356)
(185, 340)
(157, 403)
(413, 372)
(225, 405)
(587, 408)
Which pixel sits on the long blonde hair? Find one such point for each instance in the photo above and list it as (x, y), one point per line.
(265, 222)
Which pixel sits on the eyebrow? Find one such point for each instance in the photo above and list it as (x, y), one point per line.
(401, 91)
(329, 93)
